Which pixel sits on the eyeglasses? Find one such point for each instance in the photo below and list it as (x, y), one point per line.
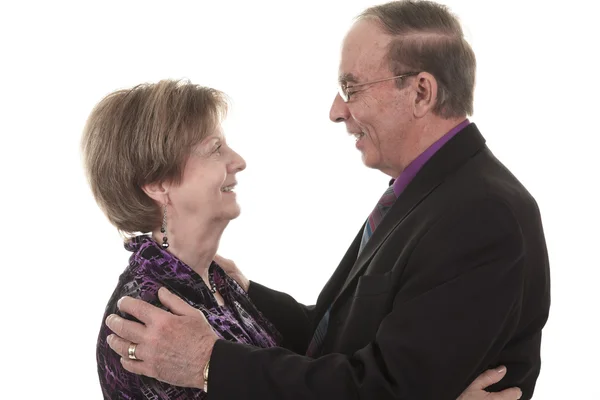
(347, 91)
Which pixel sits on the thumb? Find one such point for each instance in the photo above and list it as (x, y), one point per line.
(174, 303)
(488, 378)
(507, 394)
(219, 259)
(225, 263)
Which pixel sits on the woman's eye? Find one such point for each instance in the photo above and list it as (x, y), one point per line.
(217, 150)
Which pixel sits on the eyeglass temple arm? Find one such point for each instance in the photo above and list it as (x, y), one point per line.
(382, 80)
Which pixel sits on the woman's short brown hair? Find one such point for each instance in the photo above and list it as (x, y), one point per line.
(145, 135)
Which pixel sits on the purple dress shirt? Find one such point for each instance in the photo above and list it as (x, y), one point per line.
(411, 170)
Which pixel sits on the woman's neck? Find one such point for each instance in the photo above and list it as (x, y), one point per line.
(193, 244)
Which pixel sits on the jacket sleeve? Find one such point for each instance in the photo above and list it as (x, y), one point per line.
(293, 320)
(456, 308)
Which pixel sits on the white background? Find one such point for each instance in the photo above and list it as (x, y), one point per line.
(305, 192)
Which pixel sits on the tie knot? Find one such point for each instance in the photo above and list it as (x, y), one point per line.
(388, 198)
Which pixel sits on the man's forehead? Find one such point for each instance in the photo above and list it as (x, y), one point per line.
(354, 68)
(363, 51)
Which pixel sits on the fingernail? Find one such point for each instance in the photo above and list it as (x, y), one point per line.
(109, 339)
(500, 369)
(119, 303)
(109, 318)
(520, 394)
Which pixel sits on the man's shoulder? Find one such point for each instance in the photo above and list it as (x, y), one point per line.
(486, 178)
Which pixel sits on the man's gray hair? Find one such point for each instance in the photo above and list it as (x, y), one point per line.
(428, 37)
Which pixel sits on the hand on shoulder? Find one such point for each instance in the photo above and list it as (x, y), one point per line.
(233, 271)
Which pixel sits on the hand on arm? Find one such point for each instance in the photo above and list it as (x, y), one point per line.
(467, 276)
(181, 358)
(476, 390)
(457, 309)
(464, 289)
(173, 347)
(292, 319)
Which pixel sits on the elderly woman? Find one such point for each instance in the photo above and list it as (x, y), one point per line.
(157, 162)
(160, 168)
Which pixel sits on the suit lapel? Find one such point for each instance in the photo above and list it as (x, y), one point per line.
(444, 163)
(334, 284)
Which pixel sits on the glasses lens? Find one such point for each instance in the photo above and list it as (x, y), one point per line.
(342, 92)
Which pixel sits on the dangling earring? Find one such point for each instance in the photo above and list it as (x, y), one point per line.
(163, 229)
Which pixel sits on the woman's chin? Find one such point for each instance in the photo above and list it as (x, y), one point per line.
(233, 212)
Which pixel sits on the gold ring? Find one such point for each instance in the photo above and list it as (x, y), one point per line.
(131, 351)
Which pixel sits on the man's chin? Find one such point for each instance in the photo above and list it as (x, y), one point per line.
(368, 161)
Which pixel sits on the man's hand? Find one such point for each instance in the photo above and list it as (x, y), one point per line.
(175, 346)
(172, 347)
(233, 271)
(476, 390)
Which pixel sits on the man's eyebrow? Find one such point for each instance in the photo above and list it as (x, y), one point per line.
(348, 78)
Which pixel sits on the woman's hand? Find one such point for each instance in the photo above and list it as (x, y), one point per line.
(233, 271)
(476, 390)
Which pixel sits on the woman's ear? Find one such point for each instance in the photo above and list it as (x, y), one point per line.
(158, 192)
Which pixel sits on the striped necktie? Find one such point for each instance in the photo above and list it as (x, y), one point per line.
(383, 206)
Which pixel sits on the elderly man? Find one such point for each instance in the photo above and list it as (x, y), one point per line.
(449, 275)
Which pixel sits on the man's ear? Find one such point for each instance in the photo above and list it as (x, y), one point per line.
(158, 192)
(426, 94)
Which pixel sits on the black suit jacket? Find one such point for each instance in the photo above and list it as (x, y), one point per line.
(454, 280)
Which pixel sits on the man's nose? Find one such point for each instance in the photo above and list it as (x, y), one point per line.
(339, 110)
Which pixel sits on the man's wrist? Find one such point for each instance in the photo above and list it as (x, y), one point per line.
(205, 376)
(210, 344)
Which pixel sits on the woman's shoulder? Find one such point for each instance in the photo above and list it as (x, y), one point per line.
(143, 250)
(142, 277)
(149, 263)
(151, 267)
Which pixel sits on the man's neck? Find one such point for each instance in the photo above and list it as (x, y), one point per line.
(420, 139)
(431, 133)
